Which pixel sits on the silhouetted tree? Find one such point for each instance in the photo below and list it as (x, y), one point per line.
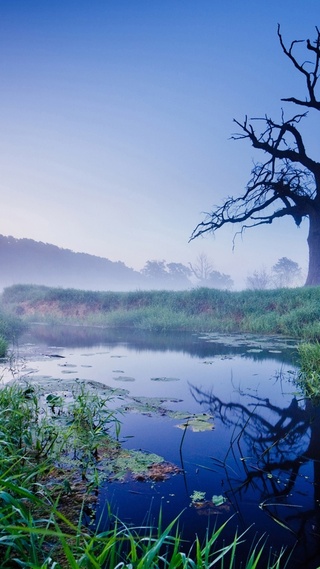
(287, 183)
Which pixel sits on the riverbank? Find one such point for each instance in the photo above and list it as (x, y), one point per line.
(289, 312)
(38, 524)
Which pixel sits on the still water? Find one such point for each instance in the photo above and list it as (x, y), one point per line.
(260, 456)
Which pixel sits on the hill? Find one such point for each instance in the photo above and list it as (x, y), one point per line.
(33, 262)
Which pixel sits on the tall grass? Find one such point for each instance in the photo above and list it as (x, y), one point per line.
(309, 375)
(291, 312)
(10, 327)
(3, 347)
(39, 526)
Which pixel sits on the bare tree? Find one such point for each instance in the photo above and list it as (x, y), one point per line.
(207, 276)
(202, 267)
(287, 183)
(259, 280)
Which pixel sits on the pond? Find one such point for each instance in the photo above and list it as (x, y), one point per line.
(223, 409)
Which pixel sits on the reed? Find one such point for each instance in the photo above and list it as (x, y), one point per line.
(309, 375)
(290, 312)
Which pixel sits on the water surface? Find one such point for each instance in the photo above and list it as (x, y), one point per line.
(261, 454)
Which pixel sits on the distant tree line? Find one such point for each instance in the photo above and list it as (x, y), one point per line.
(201, 273)
(285, 273)
(24, 261)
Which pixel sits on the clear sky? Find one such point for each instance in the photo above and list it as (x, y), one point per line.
(116, 117)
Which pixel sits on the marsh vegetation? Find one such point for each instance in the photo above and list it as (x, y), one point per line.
(289, 312)
(77, 438)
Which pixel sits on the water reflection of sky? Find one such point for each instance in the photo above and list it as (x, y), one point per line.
(261, 450)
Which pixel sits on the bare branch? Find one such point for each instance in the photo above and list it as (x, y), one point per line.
(310, 76)
(274, 142)
(287, 182)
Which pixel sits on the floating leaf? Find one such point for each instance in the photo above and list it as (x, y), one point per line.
(218, 500)
(124, 378)
(198, 423)
(165, 379)
(198, 496)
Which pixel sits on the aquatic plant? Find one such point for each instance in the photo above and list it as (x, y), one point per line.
(43, 495)
(309, 376)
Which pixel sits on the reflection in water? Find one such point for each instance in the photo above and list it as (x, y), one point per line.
(253, 347)
(263, 456)
(278, 442)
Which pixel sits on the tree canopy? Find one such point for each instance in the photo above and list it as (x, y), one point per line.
(287, 181)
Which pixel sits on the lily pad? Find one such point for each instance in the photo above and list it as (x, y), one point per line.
(153, 406)
(165, 379)
(132, 462)
(198, 423)
(218, 500)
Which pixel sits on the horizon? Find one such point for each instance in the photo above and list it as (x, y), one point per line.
(117, 121)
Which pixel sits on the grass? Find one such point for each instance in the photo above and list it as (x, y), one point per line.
(309, 375)
(290, 312)
(10, 327)
(41, 512)
(3, 347)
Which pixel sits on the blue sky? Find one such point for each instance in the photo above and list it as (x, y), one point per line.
(116, 119)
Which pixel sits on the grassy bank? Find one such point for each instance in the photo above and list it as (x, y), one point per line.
(42, 502)
(291, 312)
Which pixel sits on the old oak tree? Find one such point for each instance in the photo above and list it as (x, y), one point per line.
(287, 183)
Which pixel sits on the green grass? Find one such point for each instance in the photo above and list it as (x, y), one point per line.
(36, 530)
(309, 375)
(40, 511)
(3, 347)
(290, 312)
(10, 328)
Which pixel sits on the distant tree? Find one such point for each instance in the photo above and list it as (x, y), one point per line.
(219, 280)
(207, 276)
(287, 182)
(155, 270)
(259, 280)
(202, 267)
(179, 273)
(286, 273)
(168, 275)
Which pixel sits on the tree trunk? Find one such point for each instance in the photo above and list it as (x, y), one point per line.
(313, 278)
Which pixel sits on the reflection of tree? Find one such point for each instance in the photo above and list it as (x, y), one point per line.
(270, 444)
